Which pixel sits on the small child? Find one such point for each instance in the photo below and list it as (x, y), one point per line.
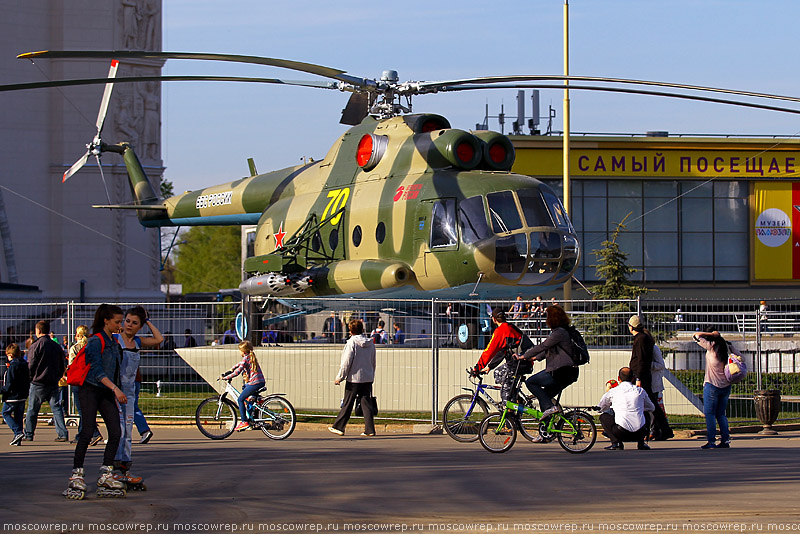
(254, 379)
(15, 392)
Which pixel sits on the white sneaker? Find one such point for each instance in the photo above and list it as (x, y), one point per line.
(146, 436)
(550, 411)
(335, 431)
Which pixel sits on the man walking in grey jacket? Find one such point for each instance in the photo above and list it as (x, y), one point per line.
(46, 363)
(358, 371)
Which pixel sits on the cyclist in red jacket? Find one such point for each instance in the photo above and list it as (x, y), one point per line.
(505, 339)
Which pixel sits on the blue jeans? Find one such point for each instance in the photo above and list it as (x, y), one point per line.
(138, 416)
(13, 415)
(37, 395)
(715, 402)
(537, 383)
(246, 392)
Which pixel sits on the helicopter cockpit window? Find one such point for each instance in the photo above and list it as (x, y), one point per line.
(556, 209)
(443, 225)
(533, 208)
(503, 212)
(472, 220)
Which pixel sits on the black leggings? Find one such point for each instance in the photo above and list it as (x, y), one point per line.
(97, 399)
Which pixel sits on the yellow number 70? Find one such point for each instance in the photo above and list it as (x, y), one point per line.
(338, 199)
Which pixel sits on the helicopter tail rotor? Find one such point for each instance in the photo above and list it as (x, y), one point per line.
(95, 147)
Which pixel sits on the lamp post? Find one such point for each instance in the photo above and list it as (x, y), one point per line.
(566, 186)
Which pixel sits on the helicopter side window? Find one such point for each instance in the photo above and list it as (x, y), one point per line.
(556, 209)
(472, 220)
(333, 239)
(380, 232)
(533, 208)
(503, 212)
(443, 225)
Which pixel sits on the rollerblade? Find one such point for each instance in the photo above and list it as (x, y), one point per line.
(122, 472)
(108, 485)
(77, 486)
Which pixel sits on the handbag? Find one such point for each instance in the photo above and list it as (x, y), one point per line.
(373, 406)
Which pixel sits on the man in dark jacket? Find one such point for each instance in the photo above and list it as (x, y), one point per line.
(15, 390)
(641, 366)
(46, 364)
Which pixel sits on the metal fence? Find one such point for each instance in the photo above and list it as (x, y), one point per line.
(426, 333)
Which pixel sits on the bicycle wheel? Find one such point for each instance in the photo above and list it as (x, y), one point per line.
(459, 421)
(278, 417)
(528, 427)
(576, 431)
(214, 419)
(496, 437)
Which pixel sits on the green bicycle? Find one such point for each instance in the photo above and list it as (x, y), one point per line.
(574, 429)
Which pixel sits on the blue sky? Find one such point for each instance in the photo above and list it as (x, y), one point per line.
(211, 129)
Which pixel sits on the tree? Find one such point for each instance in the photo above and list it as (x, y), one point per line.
(612, 269)
(607, 327)
(209, 258)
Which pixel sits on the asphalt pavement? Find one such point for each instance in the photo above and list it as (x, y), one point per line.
(316, 481)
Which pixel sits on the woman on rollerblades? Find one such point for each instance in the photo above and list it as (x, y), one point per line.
(131, 343)
(100, 393)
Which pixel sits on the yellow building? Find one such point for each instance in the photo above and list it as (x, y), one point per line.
(708, 216)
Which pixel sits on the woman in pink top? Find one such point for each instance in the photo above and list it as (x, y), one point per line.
(716, 389)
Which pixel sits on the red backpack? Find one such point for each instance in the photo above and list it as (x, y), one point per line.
(79, 368)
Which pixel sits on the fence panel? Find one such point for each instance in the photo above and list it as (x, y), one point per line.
(423, 363)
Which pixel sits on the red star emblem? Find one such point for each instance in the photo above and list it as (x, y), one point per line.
(279, 237)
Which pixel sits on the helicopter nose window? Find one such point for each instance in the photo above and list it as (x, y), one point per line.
(503, 212)
(533, 208)
(472, 220)
(556, 209)
(510, 256)
(570, 259)
(443, 225)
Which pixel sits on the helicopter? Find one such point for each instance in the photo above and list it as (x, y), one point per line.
(403, 205)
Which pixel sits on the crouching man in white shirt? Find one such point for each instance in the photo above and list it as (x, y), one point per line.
(626, 421)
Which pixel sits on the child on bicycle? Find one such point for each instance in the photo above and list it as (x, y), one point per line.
(254, 380)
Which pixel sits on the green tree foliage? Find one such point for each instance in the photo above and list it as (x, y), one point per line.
(167, 188)
(607, 327)
(209, 258)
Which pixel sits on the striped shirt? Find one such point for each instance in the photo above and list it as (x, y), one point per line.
(251, 378)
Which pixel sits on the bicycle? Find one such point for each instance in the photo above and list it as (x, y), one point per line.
(462, 415)
(575, 429)
(216, 417)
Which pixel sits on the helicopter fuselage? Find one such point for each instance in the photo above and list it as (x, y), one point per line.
(402, 206)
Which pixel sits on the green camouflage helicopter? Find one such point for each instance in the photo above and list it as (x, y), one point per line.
(402, 205)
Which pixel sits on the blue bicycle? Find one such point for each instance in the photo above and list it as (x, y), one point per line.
(463, 413)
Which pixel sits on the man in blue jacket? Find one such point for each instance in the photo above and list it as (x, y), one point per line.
(46, 364)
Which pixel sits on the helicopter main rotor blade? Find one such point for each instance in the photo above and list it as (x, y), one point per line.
(648, 92)
(101, 114)
(429, 87)
(138, 79)
(320, 70)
